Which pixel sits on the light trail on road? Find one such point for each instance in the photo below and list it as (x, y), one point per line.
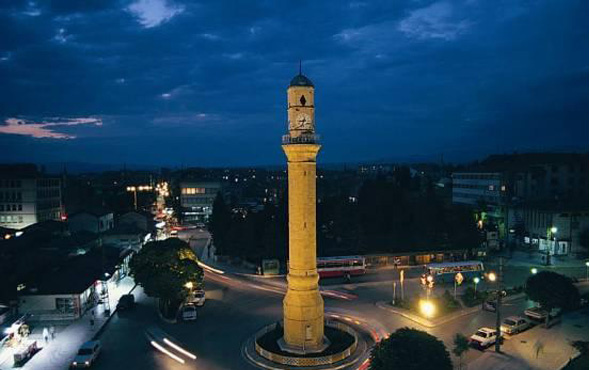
(166, 352)
(180, 349)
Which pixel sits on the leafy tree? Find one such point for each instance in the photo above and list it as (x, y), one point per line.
(163, 268)
(552, 290)
(461, 343)
(410, 349)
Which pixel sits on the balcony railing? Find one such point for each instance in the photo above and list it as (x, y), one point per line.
(301, 139)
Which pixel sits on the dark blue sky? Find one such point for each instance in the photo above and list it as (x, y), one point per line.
(173, 82)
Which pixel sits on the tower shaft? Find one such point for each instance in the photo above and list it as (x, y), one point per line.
(303, 306)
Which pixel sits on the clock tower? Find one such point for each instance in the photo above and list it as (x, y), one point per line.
(300, 106)
(303, 306)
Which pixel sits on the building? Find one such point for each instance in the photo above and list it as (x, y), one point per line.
(534, 222)
(126, 236)
(27, 196)
(196, 200)
(96, 220)
(74, 287)
(474, 188)
(142, 220)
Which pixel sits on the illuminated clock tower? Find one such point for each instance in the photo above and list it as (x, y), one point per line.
(303, 306)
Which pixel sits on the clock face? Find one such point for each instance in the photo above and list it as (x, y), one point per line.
(303, 122)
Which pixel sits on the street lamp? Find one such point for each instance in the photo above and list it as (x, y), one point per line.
(552, 231)
(189, 285)
(475, 282)
(427, 308)
(534, 271)
(492, 277)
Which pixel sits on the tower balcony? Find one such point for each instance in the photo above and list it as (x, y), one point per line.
(304, 138)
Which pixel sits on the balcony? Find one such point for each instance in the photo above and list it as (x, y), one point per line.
(304, 138)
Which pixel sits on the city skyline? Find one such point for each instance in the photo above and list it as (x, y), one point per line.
(178, 83)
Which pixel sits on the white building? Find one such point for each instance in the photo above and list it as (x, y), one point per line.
(28, 197)
(471, 188)
(97, 220)
(196, 200)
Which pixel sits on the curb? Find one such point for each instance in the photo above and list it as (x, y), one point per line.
(425, 322)
(578, 354)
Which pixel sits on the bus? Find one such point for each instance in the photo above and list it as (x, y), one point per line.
(341, 266)
(446, 271)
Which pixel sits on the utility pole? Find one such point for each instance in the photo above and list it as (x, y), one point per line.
(499, 293)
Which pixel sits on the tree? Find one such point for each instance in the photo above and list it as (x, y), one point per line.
(220, 223)
(163, 268)
(410, 349)
(552, 290)
(461, 346)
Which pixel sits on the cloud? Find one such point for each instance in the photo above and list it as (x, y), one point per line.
(436, 21)
(152, 13)
(61, 36)
(45, 129)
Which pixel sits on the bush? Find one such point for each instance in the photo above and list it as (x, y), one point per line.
(470, 298)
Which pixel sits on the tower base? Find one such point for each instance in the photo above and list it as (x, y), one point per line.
(302, 350)
(342, 347)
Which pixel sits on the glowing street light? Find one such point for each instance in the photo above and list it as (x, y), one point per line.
(475, 282)
(534, 271)
(427, 308)
(189, 285)
(492, 277)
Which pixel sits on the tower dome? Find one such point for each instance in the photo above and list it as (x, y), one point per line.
(301, 80)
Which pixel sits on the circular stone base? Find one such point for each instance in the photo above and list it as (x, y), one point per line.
(345, 348)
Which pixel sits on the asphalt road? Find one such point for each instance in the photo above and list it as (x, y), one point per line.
(237, 307)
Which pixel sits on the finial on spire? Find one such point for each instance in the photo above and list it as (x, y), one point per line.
(299, 66)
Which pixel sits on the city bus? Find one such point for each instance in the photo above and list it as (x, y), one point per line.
(446, 271)
(341, 266)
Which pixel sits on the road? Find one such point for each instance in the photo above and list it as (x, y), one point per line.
(238, 306)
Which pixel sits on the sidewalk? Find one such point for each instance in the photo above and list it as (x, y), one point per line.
(59, 352)
(538, 348)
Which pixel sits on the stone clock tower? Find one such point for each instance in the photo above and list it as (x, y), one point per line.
(303, 306)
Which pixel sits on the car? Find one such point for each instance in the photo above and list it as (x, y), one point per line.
(126, 302)
(189, 312)
(197, 298)
(514, 325)
(489, 306)
(483, 338)
(540, 315)
(200, 225)
(87, 354)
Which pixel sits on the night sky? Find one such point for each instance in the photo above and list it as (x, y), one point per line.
(179, 82)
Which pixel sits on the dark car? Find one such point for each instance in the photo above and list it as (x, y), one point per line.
(489, 306)
(126, 302)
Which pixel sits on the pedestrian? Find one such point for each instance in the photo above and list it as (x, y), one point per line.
(45, 335)
(539, 346)
(52, 332)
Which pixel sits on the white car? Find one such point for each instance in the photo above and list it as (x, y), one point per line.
(514, 324)
(483, 338)
(87, 354)
(197, 298)
(538, 314)
(189, 312)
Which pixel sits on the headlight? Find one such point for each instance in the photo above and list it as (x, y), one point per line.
(74, 363)
(87, 362)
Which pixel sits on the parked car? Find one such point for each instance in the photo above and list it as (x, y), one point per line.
(489, 306)
(126, 302)
(538, 314)
(189, 312)
(197, 298)
(514, 325)
(483, 338)
(87, 354)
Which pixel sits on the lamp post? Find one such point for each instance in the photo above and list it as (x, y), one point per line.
(135, 189)
(552, 232)
(534, 271)
(475, 282)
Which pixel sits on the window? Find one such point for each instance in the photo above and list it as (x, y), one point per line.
(20, 207)
(64, 305)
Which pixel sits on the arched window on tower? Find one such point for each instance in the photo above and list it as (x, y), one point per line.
(302, 100)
